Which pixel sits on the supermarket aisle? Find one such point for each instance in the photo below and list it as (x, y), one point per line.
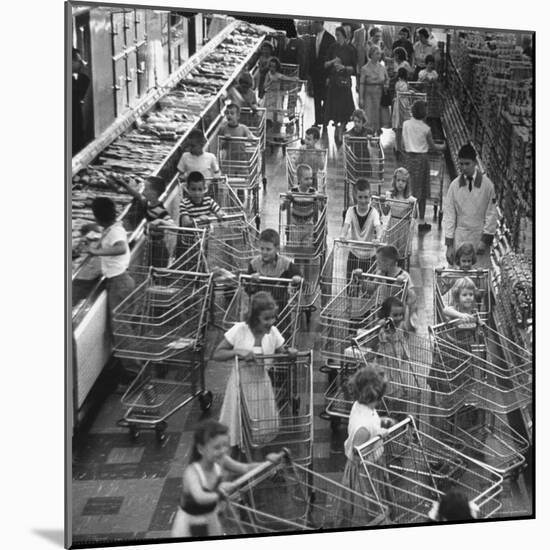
(125, 490)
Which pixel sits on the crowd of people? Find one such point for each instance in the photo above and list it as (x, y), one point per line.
(469, 225)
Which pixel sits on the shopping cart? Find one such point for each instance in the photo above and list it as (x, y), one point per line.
(284, 113)
(276, 406)
(303, 231)
(162, 323)
(177, 248)
(290, 497)
(334, 274)
(434, 97)
(355, 310)
(397, 218)
(363, 158)
(286, 293)
(255, 121)
(316, 159)
(405, 101)
(240, 161)
(500, 370)
(445, 279)
(230, 245)
(435, 381)
(408, 471)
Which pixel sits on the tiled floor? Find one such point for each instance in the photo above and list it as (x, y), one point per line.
(129, 490)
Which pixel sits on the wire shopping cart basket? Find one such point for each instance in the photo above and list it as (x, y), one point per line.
(434, 97)
(444, 280)
(163, 322)
(255, 121)
(500, 370)
(276, 405)
(240, 161)
(164, 316)
(353, 311)
(435, 382)
(405, 101)
(408, 471)
(303, 232)
(338, 268)
(397, 218)
(176, 248)
(284, 112)
(231, 243)
(363, 158)
(291, 497)
(316, 159)
(286, 293)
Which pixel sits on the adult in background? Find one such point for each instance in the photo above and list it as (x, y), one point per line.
(317, 71)
(359, 42)
(422, 48)
(373, 81)
(375, 39)
(81, 83)
(417, 143)
(341, 65)
(404, 41)
(469, 208)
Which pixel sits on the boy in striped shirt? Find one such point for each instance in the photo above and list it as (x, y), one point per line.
(197, 206)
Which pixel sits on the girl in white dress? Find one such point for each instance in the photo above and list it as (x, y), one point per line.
(249, 386)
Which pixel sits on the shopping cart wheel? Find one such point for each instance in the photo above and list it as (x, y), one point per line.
(134, 433)
(205, 400)
(160, 431)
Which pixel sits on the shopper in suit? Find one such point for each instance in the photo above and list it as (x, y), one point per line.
(318, 57)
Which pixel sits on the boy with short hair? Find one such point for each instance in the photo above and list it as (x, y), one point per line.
(270, 263)
(233, 128)
(198, 205)
(196, 159)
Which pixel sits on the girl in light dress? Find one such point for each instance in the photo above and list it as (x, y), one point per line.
(367, 387)
(250, 387)
(401, 108)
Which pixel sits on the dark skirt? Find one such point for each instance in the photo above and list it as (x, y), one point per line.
(418, 165)
(340, 105)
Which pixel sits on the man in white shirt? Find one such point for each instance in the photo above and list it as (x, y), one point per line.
(469, 209)
(318, 57)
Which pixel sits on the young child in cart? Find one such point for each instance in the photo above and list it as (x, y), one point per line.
(205, 484)
(302, 216)
(312, 158)
(251, 385)
(463, 303)
(367, 387)
(387, 265)
(152, 208)
(454, 506)
(196, 159)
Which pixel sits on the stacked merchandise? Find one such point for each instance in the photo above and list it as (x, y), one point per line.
(492, 83)
(143, 150)
(514, 300)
